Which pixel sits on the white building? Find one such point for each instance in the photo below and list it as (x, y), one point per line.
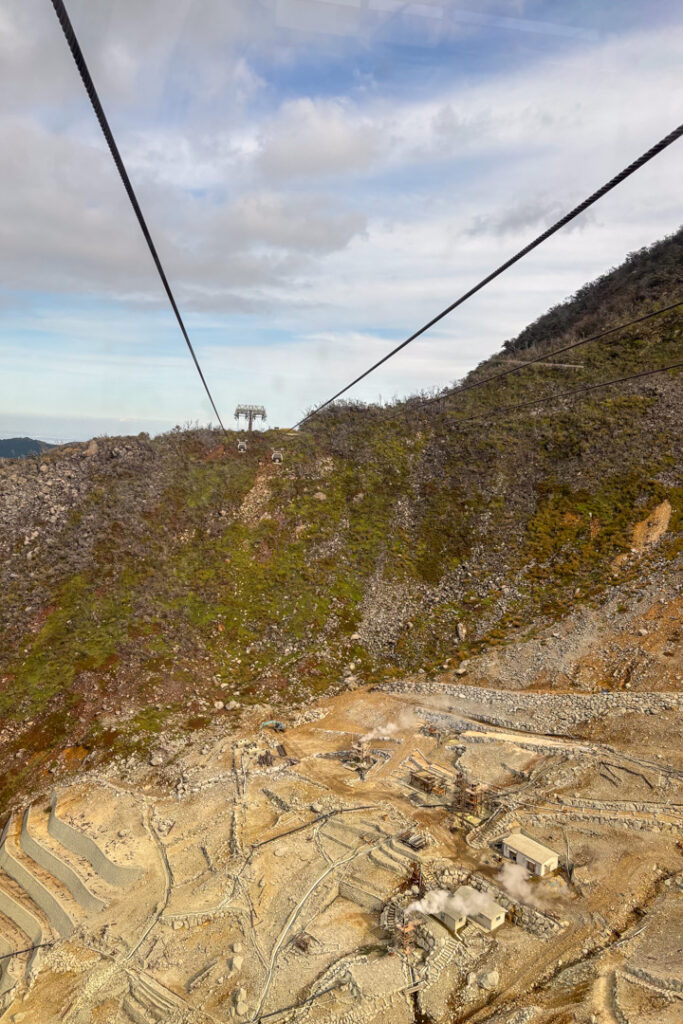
(535, 857)
(452, 921)
(485, 912)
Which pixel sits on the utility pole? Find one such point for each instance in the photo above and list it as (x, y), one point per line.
(250, 413)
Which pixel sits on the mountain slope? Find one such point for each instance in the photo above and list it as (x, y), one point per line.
(145, 579)
(650, 276)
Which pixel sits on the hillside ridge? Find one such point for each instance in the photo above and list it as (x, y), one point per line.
(647, 278)
(151, 581)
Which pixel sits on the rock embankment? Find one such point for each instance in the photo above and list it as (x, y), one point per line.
(554, 714)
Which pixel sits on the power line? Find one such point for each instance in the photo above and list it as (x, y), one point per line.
(77, 54)
(575, 212)
(460, 390)
(504, 410)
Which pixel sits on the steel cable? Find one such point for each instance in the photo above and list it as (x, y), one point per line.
(79, 59)
(571, 215)
(462, 389)
(504, 410)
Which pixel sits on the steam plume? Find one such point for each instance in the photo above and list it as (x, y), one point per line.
(405, 720)
(515, 880)
(441, 901)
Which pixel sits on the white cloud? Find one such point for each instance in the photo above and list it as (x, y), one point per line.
(297, 223)
(339, 223)
(309, 139)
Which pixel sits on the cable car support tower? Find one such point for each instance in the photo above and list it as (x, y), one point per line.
(250, 413)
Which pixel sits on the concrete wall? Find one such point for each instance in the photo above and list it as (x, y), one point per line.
(454, 923)
(7, 978)
(87, 848)
(26, 922)
(42, 897)
(361, 897)
(22, 918)
(534, 866)
(490, 924)
(58, 868)
(537, 867)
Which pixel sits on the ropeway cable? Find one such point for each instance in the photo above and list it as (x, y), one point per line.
(504, 410)
(566, 219)
(79, 59)
(543, 358)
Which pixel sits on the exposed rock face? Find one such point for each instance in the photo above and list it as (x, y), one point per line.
(652, 529)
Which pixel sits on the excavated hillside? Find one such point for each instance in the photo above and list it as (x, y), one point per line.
(151, 584)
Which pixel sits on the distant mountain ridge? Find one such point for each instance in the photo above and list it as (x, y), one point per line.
(20, 447)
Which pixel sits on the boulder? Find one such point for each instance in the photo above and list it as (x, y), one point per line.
(488, 980)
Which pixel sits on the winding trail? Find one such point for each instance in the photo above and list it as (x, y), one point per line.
(603, 999)
(358, 852)
(168, 881)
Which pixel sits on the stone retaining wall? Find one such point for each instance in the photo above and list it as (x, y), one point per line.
(87, 848)
(673, 985)
(362, 897)
(561, 817)
(532, 920)
(41, 896)
(554, 714)
(58, 868)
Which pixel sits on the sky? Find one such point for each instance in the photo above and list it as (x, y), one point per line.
(320, 179)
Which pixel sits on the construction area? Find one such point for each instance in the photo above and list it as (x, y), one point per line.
(422, 851)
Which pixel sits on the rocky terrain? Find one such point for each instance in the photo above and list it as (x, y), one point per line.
(254, 874)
